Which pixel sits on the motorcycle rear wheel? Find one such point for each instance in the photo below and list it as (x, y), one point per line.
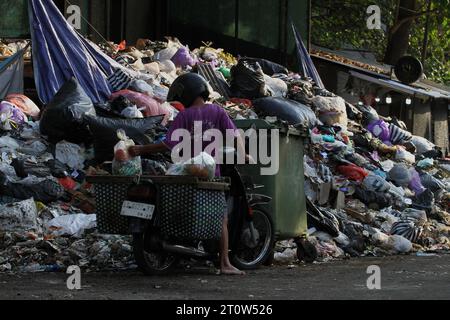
(248, 256)
(149, 260)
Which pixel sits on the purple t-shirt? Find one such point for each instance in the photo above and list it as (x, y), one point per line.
(211, 116)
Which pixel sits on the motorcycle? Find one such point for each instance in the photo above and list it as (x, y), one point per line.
(251, 230)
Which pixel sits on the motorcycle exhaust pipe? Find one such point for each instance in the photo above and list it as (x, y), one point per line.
(181, 250)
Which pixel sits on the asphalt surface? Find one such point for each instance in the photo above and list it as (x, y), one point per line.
(402, 277)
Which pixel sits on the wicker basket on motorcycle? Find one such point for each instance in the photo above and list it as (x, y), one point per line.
(192, 210)
(110, 193)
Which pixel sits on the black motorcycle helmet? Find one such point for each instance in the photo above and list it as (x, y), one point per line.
(188, 87)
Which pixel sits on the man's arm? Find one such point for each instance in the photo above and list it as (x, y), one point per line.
(147, 149)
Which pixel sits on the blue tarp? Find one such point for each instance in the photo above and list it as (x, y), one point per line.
(11, 74)
(60, 53)
(307, 67)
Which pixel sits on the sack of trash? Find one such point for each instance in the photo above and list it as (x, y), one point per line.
(331, 110)
(123, 163)
(291, 111)
(270, 68)
(104, 131)
(45, 190)
(62, 119)
(202, 166)
(247, 80)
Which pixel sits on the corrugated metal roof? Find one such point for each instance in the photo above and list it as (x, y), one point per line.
(419, 89)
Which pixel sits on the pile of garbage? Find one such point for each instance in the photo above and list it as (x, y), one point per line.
(373, 187)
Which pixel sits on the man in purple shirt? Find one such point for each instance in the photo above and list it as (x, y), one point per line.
(192, 91)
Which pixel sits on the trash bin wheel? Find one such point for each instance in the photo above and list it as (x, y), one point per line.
(306, 251)
(149, 260)
(248, 254)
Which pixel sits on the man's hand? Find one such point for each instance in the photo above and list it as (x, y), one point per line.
(134, 151)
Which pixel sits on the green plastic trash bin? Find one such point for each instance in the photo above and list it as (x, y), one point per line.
(288, 205)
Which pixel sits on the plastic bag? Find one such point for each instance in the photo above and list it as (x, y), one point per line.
(10, 116)
(9, 143)
(369, 114)
(247, 80)
(400, 175)
(403, 155)
(288, 110)
(276, 87)
(142, 87)
(332, 110)
(70, 154)
(152, 68)
(124, 164)
(149, 106)
(183, 58)
(422, 145)
(376, 183)
(43, 190)
(72, 224)
(380, 130)
(416, 184)
(166, 54)
(132, 113)
(104, 131)
(25, 104)
(166, 66)
(270, 68)
(202, 166)
(62, 119)
(393, 242)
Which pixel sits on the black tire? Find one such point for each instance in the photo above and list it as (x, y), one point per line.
(151, 262)
(306, 251)
(264, 249)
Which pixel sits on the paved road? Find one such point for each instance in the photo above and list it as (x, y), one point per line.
(402, 277)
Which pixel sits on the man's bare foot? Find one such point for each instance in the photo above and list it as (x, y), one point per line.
(231, 271)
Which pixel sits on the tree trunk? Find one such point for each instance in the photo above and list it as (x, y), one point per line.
(398, 42)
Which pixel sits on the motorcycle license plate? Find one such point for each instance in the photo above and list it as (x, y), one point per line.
(137, 210)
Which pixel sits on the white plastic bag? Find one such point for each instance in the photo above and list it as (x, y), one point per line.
(202, 166)
(124, 164)
(132, 113)
(70, 154)
(72, 224)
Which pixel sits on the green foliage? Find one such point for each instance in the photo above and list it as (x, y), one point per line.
(341, 24)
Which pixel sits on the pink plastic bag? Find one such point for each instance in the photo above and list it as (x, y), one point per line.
(25, 104)
(147, 105)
